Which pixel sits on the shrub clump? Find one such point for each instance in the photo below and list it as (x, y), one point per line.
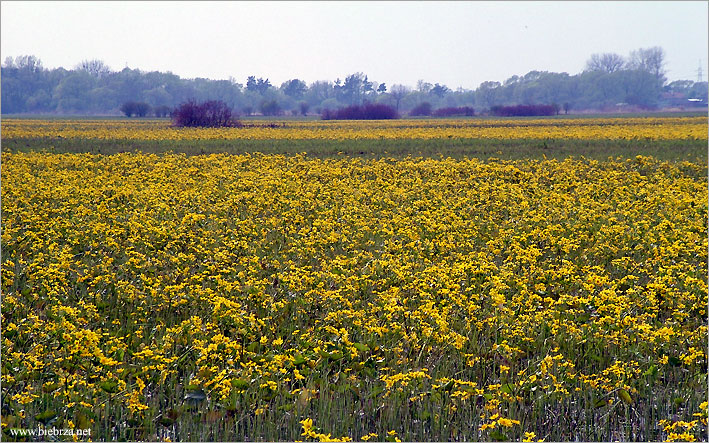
(524, 110)
(424, 109)
(368, 111)
(210, 114)
(271, 107)
(140, 109)
(462, 111)
(162, 111)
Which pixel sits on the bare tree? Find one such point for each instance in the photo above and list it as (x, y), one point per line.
(650, 60)
(28, 63)
(398, 92)
(608, 62)
(423, 86)
(96, 68)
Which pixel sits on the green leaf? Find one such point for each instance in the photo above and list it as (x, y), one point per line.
(299, 360)
(46, 416)
(109, 386)
(240, 384)
(651, 372)
(595, 356)
(369, 372)
(335, 355)
(498, 436)
(361, 347)
(50, 387)
(376, 391)
(600, 403)
(623, 394)
(82, 421)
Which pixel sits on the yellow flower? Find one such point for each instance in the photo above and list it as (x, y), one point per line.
(507, 422)
(529, 436)
(307, 427)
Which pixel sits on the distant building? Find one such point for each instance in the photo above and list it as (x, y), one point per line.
(680, 100)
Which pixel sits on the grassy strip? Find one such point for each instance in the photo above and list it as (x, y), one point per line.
(668, 150)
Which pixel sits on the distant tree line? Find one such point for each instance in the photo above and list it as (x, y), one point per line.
(525, 110)
(609, 82)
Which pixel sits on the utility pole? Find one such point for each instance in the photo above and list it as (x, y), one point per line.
(699, 72)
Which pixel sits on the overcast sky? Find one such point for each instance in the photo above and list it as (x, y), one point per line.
(460, 44)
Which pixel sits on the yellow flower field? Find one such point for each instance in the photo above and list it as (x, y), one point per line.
(646, 128)
(255, 297)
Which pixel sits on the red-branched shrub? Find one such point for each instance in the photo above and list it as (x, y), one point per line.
(211, 114)
(465, 111)
(368, 111)
(523, 110)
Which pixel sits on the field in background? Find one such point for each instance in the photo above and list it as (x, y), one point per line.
(664, 138)
(645, 128)
(382, 295)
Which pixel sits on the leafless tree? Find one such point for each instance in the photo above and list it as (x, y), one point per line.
(28, 63)
(398, 92)
(650, 60)
(608, 62)
(96, 68)
(423, 86)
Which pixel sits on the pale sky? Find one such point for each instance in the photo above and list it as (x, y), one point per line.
(459, 44)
